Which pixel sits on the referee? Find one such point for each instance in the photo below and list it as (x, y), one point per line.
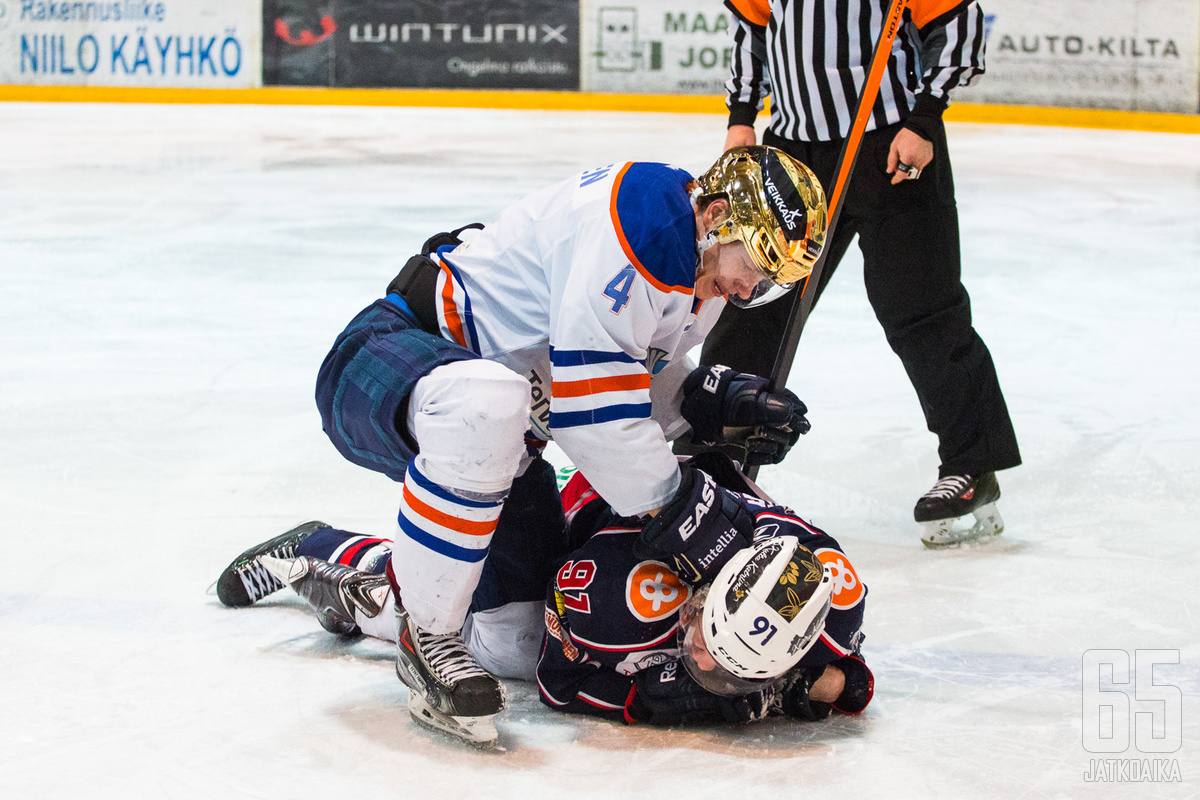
(811, 57)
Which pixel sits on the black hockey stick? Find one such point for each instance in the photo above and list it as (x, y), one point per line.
(802, 300)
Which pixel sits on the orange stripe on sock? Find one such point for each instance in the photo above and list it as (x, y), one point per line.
(617, 383)
(447, 521)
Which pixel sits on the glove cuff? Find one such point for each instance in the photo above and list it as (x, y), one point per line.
(635, 711)
(860, 685)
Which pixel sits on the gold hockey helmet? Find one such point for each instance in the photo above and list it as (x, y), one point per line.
(777, 209)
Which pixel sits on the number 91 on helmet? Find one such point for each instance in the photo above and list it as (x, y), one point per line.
(764, 610)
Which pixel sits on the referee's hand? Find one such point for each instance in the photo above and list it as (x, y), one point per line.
(910, 149)
(739, 136)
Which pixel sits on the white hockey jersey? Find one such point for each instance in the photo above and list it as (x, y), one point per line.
(587, 289)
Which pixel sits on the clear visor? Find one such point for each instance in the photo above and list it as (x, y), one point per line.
(766, 291)
(693, 652)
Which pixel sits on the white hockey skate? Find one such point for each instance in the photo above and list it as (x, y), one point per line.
(960, 510)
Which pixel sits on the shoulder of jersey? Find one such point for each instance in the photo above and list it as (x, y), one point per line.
(652, 214)
(621, 603)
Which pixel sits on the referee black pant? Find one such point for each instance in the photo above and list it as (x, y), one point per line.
(908, 235)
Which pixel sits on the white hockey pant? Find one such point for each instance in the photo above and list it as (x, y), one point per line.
(469, 418)
(506, 641)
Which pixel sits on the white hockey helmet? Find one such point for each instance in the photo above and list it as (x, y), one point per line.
(756, 620)
(777, 210)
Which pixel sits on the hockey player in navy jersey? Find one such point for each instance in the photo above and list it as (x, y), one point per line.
(629, 639)
(567, 317)
(776, 631)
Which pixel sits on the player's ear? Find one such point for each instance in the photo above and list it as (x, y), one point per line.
(716, 212)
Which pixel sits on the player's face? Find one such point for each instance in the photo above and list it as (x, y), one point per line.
(727, 270)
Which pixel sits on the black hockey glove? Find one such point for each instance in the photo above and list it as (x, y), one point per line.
(860, 685)
(699, 529)
(725, 406)
(791, 695)
(792, 691)
(666, 695)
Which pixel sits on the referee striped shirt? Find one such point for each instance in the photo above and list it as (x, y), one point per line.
(812, 56)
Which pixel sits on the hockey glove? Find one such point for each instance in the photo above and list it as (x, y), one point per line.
(791, 695)
(666, 695)
(725, 406)
(792, 691)
(699, 529)
(860, 685)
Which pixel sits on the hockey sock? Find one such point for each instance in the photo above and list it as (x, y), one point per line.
(444, 537)
(367, 553)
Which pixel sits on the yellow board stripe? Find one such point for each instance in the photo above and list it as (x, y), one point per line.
(567, 101)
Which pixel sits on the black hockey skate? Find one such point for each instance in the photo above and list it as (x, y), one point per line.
(447, 688)
(333, 591)
(246, 580)
(952, 498)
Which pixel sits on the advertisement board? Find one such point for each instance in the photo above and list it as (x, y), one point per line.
(175, 43)
(1137, 55)
(655, 47)
(484, 44)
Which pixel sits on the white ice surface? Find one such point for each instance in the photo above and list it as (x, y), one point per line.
(171, 277)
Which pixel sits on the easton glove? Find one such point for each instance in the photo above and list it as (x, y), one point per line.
(666, 695)
(699, 529)
(726, 406)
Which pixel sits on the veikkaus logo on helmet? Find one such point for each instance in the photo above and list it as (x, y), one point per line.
(451, 32)
(788, 215)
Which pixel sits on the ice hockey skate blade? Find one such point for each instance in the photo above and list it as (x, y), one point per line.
(941, 534)
(478, 732)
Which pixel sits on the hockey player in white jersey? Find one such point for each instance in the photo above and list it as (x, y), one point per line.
(567, 317)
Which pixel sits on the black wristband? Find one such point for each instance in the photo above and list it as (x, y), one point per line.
(741, 114)
(926, 117)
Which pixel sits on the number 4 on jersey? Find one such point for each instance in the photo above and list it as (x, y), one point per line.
(619, 287)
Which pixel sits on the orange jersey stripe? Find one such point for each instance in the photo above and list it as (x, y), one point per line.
(925, 11)
(450, 310)
(756, 12)
(617, 383)
(446, 521)
(891, 25)
(633, 259)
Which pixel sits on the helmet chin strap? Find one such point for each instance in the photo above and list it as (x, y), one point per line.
(704, 244)
(708, 240)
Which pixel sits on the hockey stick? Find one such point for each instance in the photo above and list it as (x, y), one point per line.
(802, 301)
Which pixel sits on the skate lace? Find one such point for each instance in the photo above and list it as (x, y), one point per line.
(950, 486)
(448, 658)
(257, 579)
